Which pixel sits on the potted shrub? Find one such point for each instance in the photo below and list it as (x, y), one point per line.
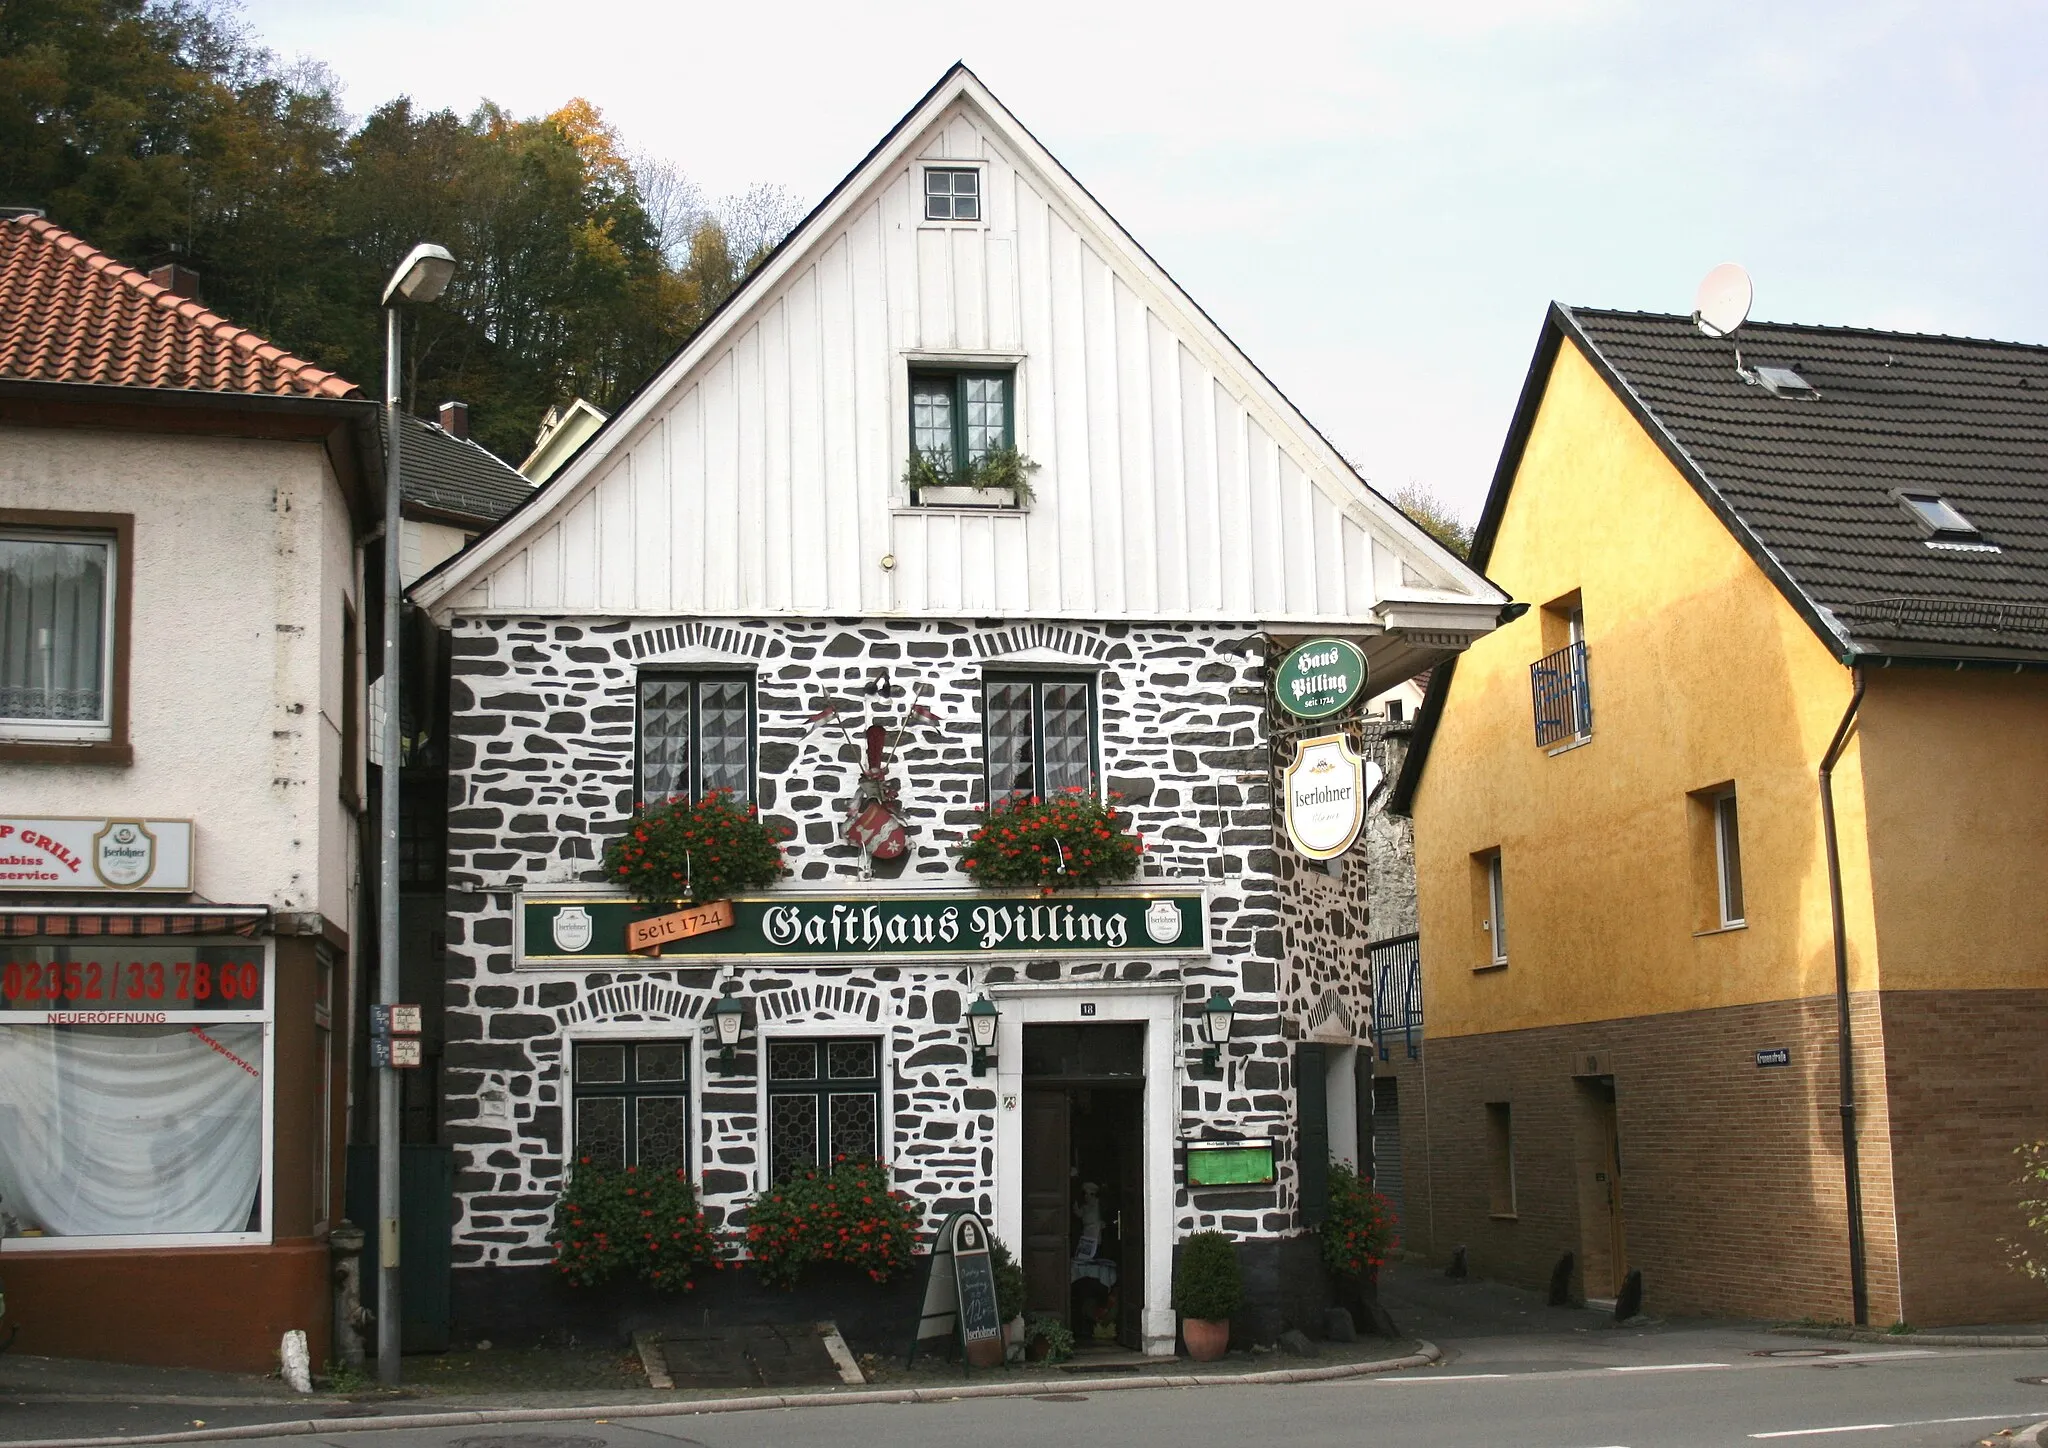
(999, 478)
(848, 1215)
(1009, 1290)
(645, 1224)
(680, 851)
(1047, 1339)
(1207, 1288)
(1071, 840)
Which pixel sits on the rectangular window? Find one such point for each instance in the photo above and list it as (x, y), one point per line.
(696, 735)
(824, 1102)
(632, 1104)
(150, 1125)
(1039, 733)
(958, 418)
(1728, 858)
(952, 193)
(56, 634)
(1500, 1158)
(1491, 892)
(1558, 685)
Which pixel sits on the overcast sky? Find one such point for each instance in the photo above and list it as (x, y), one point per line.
(1375, 200)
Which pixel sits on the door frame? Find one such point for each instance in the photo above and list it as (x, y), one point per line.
(1157, 1006)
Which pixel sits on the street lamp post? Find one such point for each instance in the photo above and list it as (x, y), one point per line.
(420, 278)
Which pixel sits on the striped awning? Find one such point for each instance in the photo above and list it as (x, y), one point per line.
(74, 923)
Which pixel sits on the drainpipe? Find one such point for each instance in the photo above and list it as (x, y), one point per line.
(1852, 1174)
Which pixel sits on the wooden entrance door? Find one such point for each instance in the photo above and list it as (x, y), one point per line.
(1130, 1225)
(1610, 1140)
(1046, 1208)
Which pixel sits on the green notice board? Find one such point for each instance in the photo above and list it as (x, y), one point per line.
(1229, 1163)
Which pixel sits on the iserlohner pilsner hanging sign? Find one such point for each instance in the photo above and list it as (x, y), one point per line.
(1325, 787)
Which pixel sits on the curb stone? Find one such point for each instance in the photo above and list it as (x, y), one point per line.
(1425, 1354)
(1925, 1339)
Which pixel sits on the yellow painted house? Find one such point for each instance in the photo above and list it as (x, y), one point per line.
(1756, 786)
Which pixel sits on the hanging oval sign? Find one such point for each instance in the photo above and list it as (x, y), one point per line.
(1326, 790)
(1320, 677)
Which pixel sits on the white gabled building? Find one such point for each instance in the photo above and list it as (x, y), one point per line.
(739, 546)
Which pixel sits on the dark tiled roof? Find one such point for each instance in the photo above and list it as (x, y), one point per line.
(1813, 482)
(454, 475)
(71, 313)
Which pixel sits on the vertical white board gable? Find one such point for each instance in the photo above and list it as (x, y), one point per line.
(761, 473)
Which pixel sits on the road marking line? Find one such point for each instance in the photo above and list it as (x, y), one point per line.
(1458, 1378)
(1669, 1367)
(1872, 1427)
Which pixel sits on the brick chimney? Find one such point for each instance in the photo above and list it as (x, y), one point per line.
(455, 419)
(179, 281)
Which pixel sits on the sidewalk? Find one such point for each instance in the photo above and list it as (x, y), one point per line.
(45, 1402)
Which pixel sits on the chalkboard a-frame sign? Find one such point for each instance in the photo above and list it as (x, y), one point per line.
(960, 1295)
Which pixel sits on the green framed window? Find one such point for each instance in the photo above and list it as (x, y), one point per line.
(696, 734)
(824, 1101)
(1038, 733)
(957, 418)
(632, 1103)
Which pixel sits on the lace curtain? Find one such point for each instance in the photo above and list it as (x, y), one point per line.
(109, 1131)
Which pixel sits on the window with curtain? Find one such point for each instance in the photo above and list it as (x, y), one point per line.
(824, 1102)
(632, 1103)
(1039, 733)
(958, 418)
(144, 1127)
(55, 631)
(696, 735)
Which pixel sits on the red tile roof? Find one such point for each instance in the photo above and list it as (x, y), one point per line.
(71, 313)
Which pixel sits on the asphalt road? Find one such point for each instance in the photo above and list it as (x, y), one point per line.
(1670, 1387)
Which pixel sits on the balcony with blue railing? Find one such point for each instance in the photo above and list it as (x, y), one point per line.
(1563, 700)
(1396, 994)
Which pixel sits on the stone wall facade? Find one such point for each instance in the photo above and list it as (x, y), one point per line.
(542, 772)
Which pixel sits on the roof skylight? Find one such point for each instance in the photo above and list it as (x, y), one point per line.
(1944, 524)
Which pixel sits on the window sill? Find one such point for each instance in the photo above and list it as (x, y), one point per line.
(1489, 967)
(103, 751)
(1728, 929)
(1505, 1216)
(964, 499)
(1579, 743)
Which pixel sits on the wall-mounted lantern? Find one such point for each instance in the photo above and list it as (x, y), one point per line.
(728, 1016)
(1216, 1019)
(981, 1025)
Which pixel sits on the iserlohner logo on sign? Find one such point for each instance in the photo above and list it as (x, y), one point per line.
(1326, 789)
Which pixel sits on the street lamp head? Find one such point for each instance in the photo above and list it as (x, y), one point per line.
(422, 276)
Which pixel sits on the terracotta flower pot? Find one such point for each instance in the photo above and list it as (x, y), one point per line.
(1207, 1339)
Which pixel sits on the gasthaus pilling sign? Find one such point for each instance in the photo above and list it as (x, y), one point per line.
(1320, 678)
(66, 853)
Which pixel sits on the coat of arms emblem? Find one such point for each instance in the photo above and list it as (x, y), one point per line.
(572, 928)
(1162, 922)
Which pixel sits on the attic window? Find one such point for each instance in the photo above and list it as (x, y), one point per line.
(952, 194)
(1946, 528)
(1784, 382)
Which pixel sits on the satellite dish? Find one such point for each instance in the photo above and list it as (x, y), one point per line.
(1722, 302)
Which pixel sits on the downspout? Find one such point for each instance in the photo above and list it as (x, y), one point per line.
(1852, 1174)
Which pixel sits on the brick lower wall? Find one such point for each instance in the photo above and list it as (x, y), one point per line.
(1731, 1174)
(1968, 1080)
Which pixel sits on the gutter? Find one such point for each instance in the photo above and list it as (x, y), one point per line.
(1852, 1172)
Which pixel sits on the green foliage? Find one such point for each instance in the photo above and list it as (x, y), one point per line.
(679, 851)
(849, 1214)
(1070, 841)
(1358, 1233)
(645, 1224)
(2031, 1257)
(161, 130)
(1434, 516)
(1207, 1284)
(1058, 1338)
(999, 467)
(1009, 1279)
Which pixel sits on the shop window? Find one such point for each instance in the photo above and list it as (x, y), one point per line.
(824, 1102)
(696, 735)
(632, 1103)
(63, 603)
(147, 1125)
(1500, 1158)
(1039, 733)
